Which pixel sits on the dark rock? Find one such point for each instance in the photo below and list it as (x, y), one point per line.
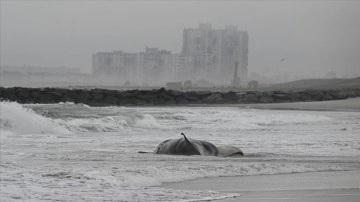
(111, 100)
(266, 98)
(139, 102)
(10, 94)
(202, 94)
(112, 93)
(213, 98)
(250, 98)
(170, 102)
(230, 96)
(23, 93)
(191, 96)
(57, 92)
(163, 95)
(159, 101)
(35, 93)
(101, 97)
(161, 91)
(70, 96)
(96, 90)
(143, 94)
(46, 98)
(2, 89)
(181, 100)
(146, 97)
(166, 97)
(97, 95)
(129, 93)
(304, 97)
(351, 93)
(280, 96)
(128, 101)
(83, 96)
(327, 96)
(174, 93)
(339, 94)
(241, 96)
(294, 97)
(316, 95)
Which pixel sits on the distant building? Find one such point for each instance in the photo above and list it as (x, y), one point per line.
(206, 54)
(253, 84)
(236, 80)
(140, 68)
(216, 52)
(40, 70)
(174, 85)
(40, 76)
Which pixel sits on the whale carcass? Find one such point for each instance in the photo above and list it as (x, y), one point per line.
(185, 146)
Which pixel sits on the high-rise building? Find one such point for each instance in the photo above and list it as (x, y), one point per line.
(144, 68)
(217, 51)
(207, 53)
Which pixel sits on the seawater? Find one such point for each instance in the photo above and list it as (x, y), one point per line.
(73, 152)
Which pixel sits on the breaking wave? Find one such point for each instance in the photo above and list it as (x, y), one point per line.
(19, 119)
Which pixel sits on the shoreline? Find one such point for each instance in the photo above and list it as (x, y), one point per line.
(309, 186)
(350, 104)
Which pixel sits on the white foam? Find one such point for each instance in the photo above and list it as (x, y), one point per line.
(18, 119)
(147, 121)
(23, 120)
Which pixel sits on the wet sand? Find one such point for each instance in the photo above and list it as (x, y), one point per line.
(317, 186)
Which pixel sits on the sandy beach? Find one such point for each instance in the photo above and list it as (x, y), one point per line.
(319, 186)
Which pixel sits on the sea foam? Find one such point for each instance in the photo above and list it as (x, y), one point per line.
(18, 119)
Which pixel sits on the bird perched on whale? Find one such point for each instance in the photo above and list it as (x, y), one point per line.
(185, 146)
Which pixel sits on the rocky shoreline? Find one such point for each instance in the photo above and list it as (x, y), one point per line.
(163, 97)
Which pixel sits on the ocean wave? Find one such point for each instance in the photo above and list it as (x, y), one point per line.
(18, 119)
(112, 123)
(139, 181)
(46, 119)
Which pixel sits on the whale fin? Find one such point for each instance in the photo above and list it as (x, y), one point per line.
(187, 140)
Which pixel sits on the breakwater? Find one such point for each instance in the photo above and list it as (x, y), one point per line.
(104, 97)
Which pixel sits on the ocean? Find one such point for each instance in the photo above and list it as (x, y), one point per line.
(73, 152)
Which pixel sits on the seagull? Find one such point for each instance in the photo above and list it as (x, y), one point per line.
(282, 60)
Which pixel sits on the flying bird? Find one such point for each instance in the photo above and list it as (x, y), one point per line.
(282, 60)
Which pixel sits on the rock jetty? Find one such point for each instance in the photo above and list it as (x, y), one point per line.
(163, 97)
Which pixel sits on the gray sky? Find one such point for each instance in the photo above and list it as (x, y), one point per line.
(314, 36)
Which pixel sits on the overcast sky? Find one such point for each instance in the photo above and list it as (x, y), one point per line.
(313, 36)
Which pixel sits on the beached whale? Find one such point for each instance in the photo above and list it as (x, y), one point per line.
(229, 151)
(185, 146)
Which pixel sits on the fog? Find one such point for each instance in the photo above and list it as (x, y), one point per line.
(287, 40)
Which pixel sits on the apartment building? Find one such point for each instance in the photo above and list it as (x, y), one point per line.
(207, 53)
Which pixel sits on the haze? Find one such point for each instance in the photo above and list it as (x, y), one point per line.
(313, 36)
